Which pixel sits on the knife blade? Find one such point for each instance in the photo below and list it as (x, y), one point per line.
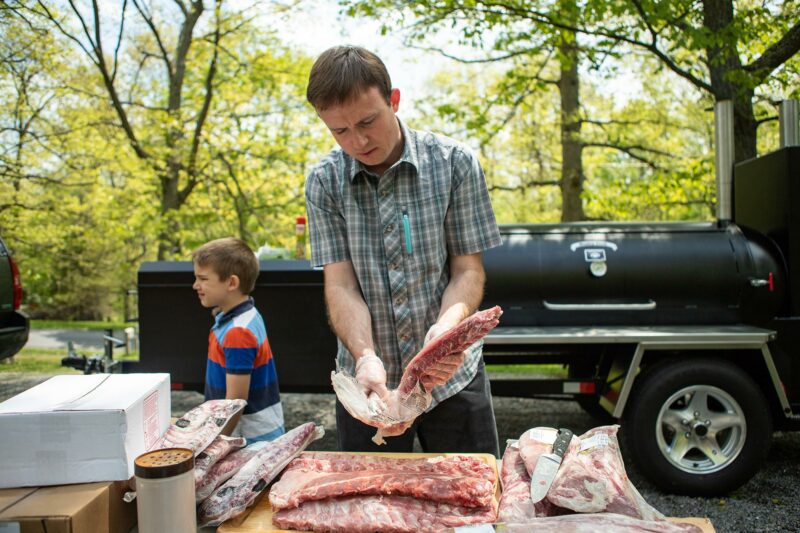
(547, 466)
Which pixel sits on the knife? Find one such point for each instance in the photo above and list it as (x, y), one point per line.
(547, 466)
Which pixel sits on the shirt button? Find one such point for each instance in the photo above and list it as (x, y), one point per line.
(384, 193)
(404, 337)
(393, 266)
(399, 301)
(388, 229)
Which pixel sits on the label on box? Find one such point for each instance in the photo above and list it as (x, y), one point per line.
(150, 420)
(9, 527)
(545, 435)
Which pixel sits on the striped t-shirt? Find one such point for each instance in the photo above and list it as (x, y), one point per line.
(238, 344)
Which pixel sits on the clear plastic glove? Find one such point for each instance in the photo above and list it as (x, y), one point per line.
(372, 375)
(441, 372)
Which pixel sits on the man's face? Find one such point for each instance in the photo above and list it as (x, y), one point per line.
(213, 292)
(366, 128)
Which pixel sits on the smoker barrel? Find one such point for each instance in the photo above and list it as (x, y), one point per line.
(632, 274)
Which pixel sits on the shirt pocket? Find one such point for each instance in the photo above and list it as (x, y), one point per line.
(423, 239)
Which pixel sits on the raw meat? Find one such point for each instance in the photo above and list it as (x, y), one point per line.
(236, 494)
(515, 502)
(215, 452)
(200, 426)
(593, 523)
(388, 514)
(592, 478)
(226, 468)
(457, 480)
(455, 340)
(394, 414)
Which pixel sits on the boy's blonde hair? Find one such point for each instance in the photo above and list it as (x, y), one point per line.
(229, 256)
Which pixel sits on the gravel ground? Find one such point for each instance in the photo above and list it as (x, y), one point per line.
(768, 502)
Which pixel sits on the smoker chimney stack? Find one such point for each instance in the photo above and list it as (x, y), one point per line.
(723, 144)
(787, 118)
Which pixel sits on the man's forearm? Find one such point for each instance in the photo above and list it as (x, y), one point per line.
(350, 319)
(462, 296)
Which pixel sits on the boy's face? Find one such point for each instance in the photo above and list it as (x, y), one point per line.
(366, 128)
(213, 292)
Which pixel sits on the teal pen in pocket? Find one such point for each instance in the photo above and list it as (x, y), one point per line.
(407, 231)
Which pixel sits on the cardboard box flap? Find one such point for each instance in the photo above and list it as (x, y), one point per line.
(87, 393)
(53, 394)
(9, 497)
(65, 500)
(119, 391)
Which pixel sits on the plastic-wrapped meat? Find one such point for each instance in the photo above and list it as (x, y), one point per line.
(226, 468)
(593, 523)
(236, 494)
(200, 426)
(515, 501)
(592, 478)
(216, 451)
(457, 480)
(411, 399)
(388, 514)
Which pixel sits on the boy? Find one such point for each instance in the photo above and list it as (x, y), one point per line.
(240, 364)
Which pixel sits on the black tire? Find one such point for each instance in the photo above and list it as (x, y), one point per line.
(681, 452)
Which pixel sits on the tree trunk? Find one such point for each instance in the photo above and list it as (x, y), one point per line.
(572, 176)
(724, 63)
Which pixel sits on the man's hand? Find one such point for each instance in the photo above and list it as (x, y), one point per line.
(372, 375)
(442, 371)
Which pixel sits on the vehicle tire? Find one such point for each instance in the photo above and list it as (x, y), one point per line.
(696, 427)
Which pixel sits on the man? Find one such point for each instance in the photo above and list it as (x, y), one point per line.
(399, 219)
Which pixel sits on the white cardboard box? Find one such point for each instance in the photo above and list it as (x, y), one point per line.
(79, 429)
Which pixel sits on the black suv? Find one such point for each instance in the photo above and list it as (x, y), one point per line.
(14, 325)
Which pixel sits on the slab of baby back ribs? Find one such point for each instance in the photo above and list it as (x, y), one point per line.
(388, 514)
(457, 480)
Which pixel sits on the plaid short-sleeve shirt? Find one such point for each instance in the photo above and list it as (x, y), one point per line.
(399, 230)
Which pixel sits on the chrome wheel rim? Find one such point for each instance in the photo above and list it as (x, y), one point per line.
(701, 429)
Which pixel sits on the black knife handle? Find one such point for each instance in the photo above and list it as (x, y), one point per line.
(562, 442)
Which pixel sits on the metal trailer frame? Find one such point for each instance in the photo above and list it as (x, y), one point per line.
(650, 338)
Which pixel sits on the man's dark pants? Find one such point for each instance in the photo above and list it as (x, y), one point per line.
(463, 423)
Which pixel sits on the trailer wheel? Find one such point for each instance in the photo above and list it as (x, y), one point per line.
(699, 427)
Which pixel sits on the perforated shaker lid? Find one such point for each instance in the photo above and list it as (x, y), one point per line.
(163, 463)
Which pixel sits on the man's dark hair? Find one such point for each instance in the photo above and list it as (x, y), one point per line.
(344, 72)
(229, 256)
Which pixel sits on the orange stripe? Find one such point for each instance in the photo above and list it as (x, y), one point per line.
(215, 352)
(264, 354)
(240, 338)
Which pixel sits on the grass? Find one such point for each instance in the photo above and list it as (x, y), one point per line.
(78, 324)
(538, 370)
(46, 361)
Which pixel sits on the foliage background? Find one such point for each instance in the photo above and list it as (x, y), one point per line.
(81, 207)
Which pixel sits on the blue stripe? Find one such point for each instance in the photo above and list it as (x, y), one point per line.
(260, 399)
(265, 375)
(215, 375)
(240, 358)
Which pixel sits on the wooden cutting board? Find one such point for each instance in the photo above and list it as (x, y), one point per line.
(260, 517)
